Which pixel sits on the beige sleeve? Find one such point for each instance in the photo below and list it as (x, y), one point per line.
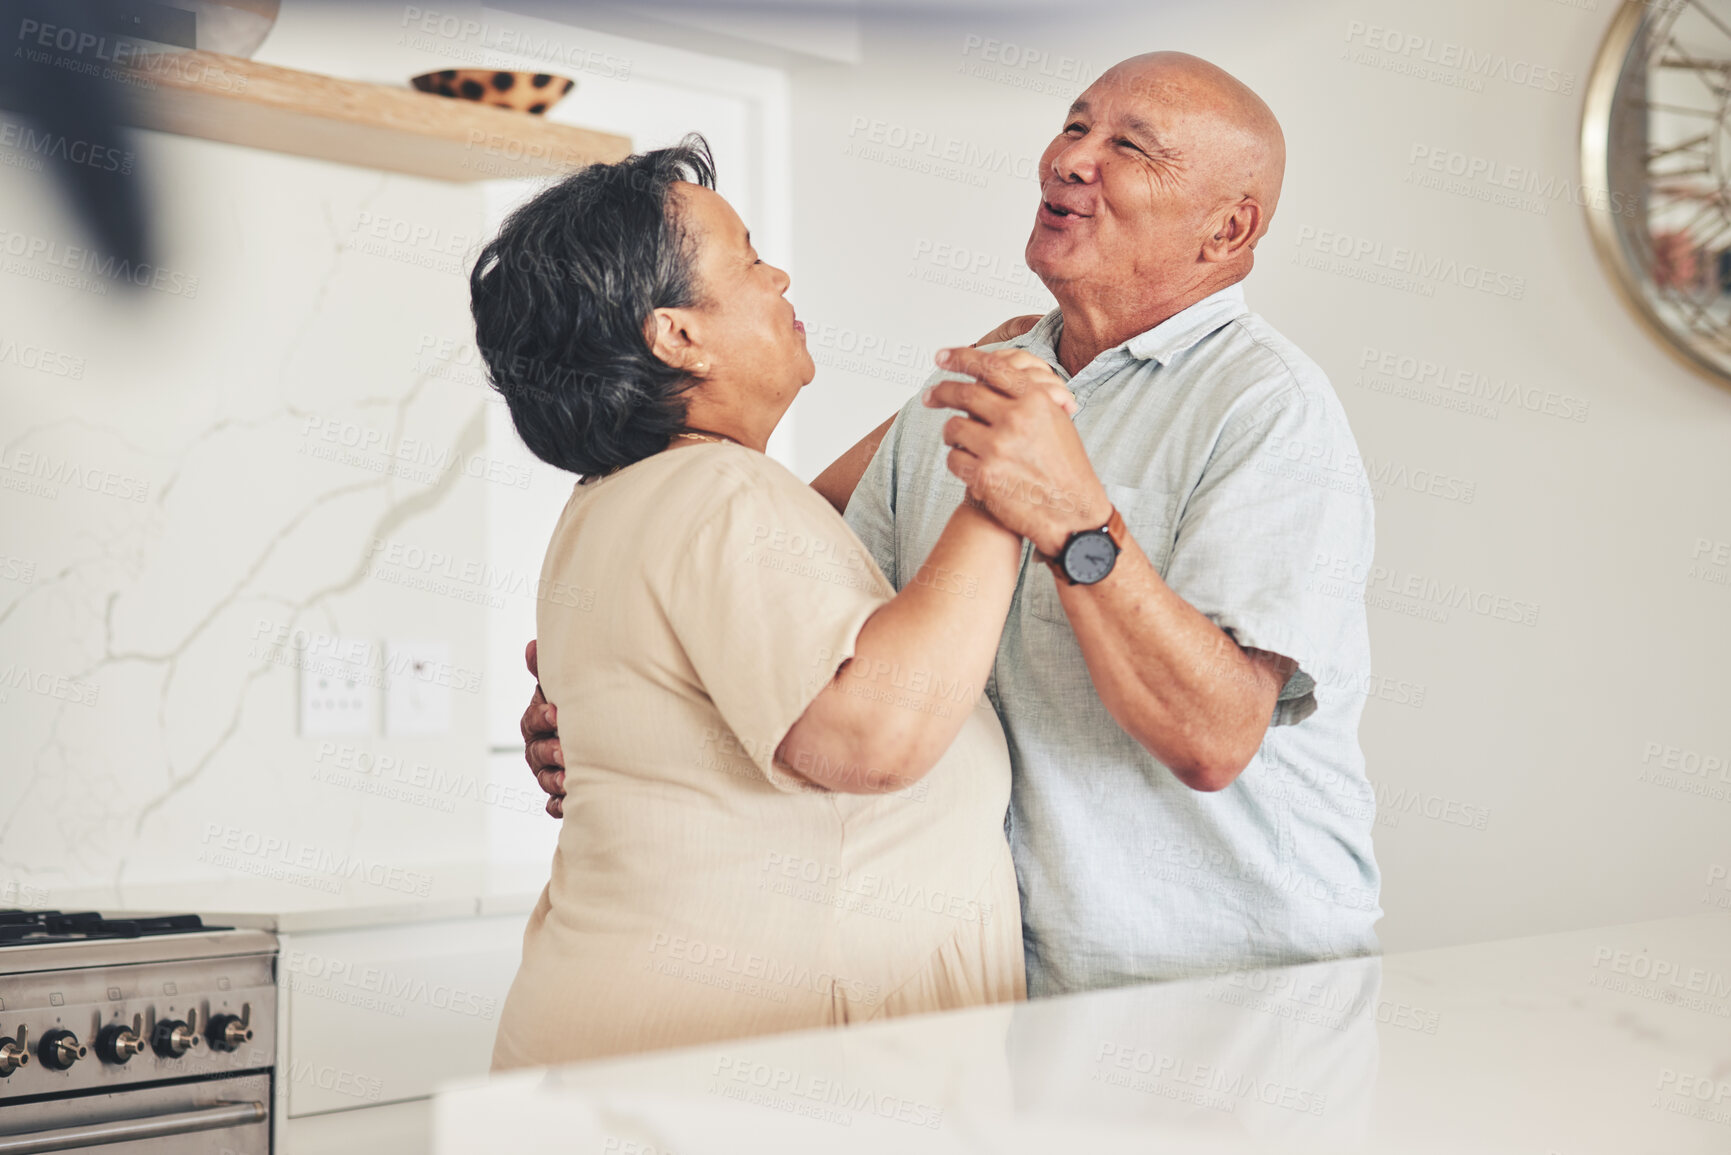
(768, 600)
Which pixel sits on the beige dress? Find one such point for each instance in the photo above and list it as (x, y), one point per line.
(692, 605)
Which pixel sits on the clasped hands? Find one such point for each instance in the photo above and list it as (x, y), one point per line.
(1015, 446)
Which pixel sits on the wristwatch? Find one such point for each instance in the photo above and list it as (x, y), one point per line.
(1089, 555)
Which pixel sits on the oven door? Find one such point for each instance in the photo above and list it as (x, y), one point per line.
(223, 1116)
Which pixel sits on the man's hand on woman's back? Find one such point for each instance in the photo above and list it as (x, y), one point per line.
(541, 743)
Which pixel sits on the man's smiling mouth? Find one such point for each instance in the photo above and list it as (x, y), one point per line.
(1061, 212)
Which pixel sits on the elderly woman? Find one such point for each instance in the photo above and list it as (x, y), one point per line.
(785, 791)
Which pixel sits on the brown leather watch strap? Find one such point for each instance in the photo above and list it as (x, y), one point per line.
(1115, 529)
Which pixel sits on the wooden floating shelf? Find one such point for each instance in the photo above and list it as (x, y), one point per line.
(239, 101)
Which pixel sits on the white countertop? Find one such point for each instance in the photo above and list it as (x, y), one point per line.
(1556, 1045)
(423, 892)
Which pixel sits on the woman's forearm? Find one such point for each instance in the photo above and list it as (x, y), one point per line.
(920, 664)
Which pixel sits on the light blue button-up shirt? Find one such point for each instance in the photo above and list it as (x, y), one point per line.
(1230, 458)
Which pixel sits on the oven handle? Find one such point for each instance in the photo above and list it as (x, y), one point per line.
(121, 1130)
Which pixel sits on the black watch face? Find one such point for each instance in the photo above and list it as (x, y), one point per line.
(1089, 557)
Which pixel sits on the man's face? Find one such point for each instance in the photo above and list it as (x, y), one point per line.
(1120, 203)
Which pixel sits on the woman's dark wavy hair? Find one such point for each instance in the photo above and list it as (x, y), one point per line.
(560, 299)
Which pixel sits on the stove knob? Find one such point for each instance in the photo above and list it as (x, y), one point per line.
(15, 1053)
(117, 1042)
(59, 1049)
(227, 1032)
(172, 1038)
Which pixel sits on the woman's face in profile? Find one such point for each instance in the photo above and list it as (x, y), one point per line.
(745, 325)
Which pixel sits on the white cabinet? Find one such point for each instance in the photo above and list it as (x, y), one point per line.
(382, 1015)
(389, 1129)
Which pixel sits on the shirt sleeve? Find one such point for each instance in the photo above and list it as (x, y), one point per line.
(767, 600)
(1284, 499)
(871, 511)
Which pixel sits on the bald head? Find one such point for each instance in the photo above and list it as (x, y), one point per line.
(1228, 135)
(1154, 194)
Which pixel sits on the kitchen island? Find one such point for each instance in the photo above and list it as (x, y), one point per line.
(1608, 1040)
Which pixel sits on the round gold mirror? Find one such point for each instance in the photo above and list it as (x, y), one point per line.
(1653, 149)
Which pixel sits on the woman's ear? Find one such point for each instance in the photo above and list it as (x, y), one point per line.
(670, 339)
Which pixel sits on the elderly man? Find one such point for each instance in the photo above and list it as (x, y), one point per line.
(1180, 677)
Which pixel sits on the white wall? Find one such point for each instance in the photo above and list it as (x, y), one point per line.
(1539, 731)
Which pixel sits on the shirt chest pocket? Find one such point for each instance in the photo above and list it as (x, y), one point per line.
(1150, 516)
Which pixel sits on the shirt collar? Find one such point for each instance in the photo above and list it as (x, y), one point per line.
(1164, 341)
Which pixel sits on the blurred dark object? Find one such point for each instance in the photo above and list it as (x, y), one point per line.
(61, 76)
(531, 92)
(68, 75)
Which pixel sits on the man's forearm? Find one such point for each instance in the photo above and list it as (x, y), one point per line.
(837, 483)
(1170, 677)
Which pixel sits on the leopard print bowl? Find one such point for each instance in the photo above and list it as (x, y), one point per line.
(531, 92)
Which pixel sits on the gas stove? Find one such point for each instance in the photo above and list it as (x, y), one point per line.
(135, 1034)
(44, 926)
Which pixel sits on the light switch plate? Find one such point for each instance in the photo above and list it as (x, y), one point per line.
(417, 689)
(338, 689)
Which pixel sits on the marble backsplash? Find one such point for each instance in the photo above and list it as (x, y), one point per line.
(208, 484)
